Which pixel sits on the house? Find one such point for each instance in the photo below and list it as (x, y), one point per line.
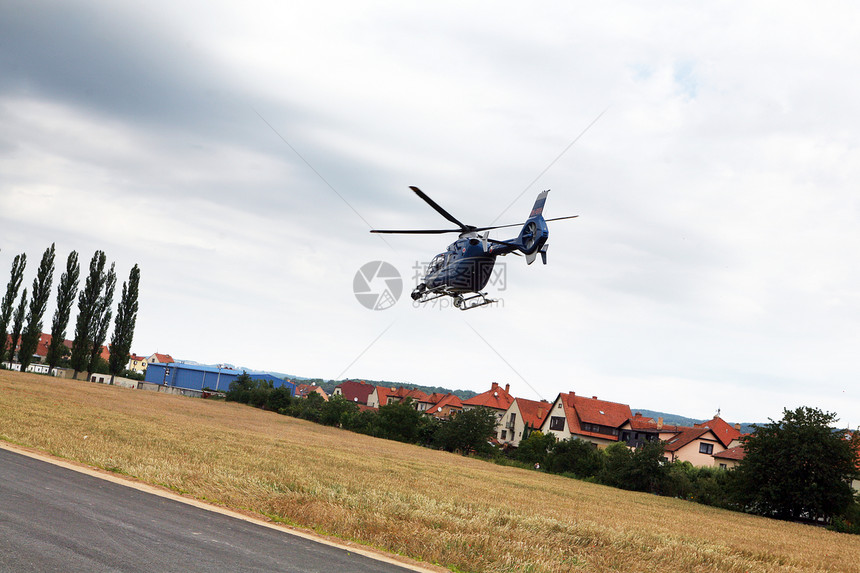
(497, 399)
(730, 457)
(590, 419)
(520, 417)
(304, 390)
(445, 407)
(724, 431)
(694, 445)
(41, 354)
(159, 359)
(354, 391)
(136, 363)
(419, 399)
(638, 430)
(379, 396)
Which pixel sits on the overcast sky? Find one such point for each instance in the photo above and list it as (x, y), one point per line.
(240, 153)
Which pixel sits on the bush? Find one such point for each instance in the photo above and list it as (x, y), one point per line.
(337, 409)
(848, 521)
(575, 456)
(534, 449)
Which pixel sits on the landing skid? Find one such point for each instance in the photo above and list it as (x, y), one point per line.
(470, 302)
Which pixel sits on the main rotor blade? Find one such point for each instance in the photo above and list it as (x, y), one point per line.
(417, 231)
(521, 224)
(440, 210)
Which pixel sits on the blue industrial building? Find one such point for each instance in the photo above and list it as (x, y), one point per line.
(198, 376)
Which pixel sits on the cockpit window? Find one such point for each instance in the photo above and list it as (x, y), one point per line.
(436, 264)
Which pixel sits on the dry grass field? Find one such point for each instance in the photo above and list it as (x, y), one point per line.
(461, 513)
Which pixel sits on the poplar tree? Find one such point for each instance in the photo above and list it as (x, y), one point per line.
(123, 328)
(88, 303)
(8, 301)
(66, 292)
(38, 304)
(17, 324)
(101, 319)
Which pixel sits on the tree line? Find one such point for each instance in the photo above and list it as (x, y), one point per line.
(796, 468)
(466, 432)
(95, 302)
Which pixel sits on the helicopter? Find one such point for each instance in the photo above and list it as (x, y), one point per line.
(464, 269)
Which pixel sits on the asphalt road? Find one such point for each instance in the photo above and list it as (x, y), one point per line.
(57, 519)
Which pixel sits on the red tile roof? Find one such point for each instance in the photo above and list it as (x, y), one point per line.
(449, 401)
(686, 436)
(533, 412)
(645, 424)
(496, 397)
(383, 392)
(45, 343)
(735, 453)
(724, 431)
(163, 358)
(302, 390)
(355, 391)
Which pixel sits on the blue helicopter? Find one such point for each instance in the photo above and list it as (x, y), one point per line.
(465, 267)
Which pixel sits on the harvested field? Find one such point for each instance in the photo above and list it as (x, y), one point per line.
(462, 513)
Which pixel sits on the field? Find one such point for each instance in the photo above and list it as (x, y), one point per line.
(461, 513)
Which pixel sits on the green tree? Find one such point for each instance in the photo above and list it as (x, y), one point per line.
(399, 421)
(66, 292)
(534, 449)
(797, 467)
(8, 302)
(337, 409)
(101, 319)
(17, 324)
(578, 457)
(123, 329)
(38, 304)
(641, 470)
(240, 389)
(468, 431)
(88, 307)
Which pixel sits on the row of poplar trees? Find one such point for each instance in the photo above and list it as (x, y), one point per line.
(95, 302)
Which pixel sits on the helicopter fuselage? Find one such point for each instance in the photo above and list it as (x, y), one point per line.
(462, 268)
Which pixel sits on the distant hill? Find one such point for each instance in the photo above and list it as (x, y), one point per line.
(329, 386)
(678, 420)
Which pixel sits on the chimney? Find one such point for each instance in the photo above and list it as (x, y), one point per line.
(507, 388)
(660, 423)
(494, 386)
(738, 427)
(594, 397)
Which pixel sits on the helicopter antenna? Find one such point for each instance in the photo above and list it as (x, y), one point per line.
(551, 163)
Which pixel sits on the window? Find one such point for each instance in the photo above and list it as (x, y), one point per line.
(504, 434)
(556, 423)
(723, 466)
(706, 448)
